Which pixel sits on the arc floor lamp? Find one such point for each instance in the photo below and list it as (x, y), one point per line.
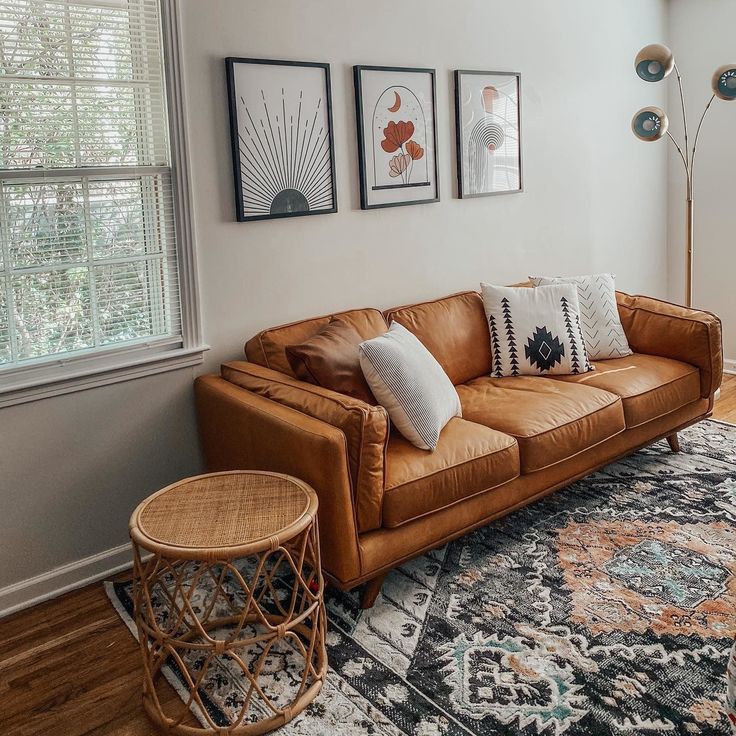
(654, 63)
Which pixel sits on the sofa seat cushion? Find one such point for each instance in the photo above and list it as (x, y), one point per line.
(649, 386)
(551, 420)
(468, 459)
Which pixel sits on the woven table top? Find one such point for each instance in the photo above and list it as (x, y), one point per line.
(230, 513)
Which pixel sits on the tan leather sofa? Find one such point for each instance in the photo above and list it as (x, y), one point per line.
(382, 500)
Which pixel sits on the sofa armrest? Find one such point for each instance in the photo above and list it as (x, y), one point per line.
(660, 328)
(240, 430)
(366, 428)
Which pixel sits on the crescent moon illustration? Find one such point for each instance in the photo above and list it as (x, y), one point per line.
(397, 103)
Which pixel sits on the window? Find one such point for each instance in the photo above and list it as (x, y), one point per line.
(88, 249)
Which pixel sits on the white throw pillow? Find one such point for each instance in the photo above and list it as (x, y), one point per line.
(534, 331)
(602, 329)
(410, 384)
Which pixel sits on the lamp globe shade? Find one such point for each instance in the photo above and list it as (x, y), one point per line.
(654, 62)
(650, 124)
(724, 82)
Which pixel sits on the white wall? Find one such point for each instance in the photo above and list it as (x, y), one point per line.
(593, 201)
(72, 468)
(701, 37)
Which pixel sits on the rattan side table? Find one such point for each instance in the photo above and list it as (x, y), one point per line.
(233, 577)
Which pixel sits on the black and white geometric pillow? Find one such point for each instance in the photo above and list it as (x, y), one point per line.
(535, 331)
(602, 329)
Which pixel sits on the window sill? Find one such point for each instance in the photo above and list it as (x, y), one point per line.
(66, 377)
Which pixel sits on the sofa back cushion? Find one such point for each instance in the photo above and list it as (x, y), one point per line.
(454, 330)
(268, 348)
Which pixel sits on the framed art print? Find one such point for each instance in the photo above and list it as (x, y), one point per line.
(488, 130)
(281, 130)
(397, 136)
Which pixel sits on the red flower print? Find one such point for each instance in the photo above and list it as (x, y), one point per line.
(396, 134)
(414, 150)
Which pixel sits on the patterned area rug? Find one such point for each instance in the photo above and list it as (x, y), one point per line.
(607, 608)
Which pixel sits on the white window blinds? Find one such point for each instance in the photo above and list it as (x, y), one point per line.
(87, 249)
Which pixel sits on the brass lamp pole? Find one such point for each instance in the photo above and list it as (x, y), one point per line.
(654, 63)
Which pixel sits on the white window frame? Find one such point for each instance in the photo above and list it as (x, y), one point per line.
(55, 376)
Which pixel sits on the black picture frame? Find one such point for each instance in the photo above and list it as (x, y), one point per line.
(270, 171)
(461, 191)
(359, 113)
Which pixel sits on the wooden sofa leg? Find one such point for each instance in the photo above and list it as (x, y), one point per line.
(674, 442)
(371, 590)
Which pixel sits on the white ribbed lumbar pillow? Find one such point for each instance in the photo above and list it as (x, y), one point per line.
(410, 384)
(602, 329)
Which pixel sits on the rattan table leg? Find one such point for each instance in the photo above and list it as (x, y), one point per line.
(278, 606)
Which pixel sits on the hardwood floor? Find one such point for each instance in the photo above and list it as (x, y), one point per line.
(725, 407)
(70, 667)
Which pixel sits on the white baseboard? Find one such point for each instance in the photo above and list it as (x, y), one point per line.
(62, 579)
(729, 365)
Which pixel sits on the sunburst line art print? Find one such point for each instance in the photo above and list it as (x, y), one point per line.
(284, 169)
(282, 145)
